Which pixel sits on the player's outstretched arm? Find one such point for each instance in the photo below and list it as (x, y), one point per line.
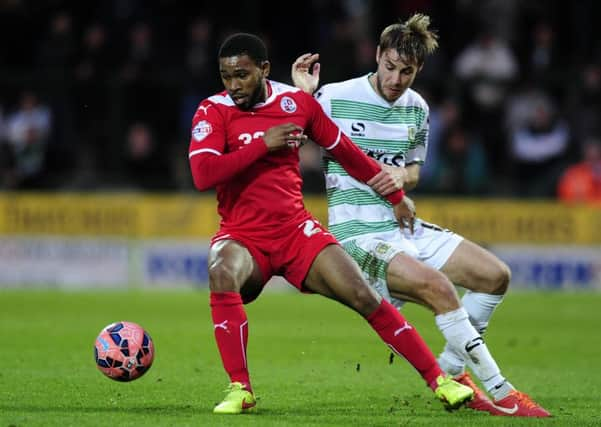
(326, 134)
(303, 77)
(361, 167)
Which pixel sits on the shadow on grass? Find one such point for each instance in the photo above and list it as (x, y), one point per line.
(86, 409)
(270, 409)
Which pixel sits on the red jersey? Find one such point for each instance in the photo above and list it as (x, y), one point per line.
(257, 190)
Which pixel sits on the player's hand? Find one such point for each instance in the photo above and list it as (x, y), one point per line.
(404, 211)
(284, 136)
(302, 76)
(388, 180)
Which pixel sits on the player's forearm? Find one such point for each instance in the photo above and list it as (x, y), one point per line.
(210, 170)
(358, 164)
(412, 177)
(304, 85)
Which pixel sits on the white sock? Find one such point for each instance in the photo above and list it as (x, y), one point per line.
(501, 390)
(480, 308)
(451, 361)
(463, 338)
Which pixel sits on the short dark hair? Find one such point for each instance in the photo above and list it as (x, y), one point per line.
(244, 44)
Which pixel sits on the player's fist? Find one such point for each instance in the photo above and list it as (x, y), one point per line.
(284, 136)
(388, 180)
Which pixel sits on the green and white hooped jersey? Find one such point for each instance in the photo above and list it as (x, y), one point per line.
(392, 134)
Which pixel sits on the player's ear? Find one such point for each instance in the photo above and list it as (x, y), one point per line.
(265, 68)
(378, 54)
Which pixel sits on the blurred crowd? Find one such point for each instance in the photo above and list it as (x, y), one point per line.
(100, 95)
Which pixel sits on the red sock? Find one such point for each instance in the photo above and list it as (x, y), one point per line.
(404, 340)
(231, 334)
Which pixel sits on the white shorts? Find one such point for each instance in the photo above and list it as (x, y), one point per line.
(429, 244)
(434, 244)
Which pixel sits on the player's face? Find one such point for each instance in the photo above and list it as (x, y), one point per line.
(394, 75)
(244, 80)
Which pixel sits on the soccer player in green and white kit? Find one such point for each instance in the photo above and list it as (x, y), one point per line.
(389, 121)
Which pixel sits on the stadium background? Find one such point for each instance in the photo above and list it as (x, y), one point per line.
(96, 102)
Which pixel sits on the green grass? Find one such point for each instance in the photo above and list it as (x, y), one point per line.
(312, 361)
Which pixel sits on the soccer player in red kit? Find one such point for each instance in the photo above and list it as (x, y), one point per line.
(245, 143)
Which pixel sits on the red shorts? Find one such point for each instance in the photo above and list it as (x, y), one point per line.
(291, 255)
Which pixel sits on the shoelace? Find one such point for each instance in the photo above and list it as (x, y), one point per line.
(525, 399)
(466, 379)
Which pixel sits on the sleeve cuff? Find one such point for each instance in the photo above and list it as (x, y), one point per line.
(396, 197)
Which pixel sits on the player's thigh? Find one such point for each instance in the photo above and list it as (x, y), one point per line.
(412, 280)
(232, 268)
(475, 268)
(335, 275)
(434, 244)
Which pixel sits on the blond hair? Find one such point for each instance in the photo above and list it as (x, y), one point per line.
(412, 39)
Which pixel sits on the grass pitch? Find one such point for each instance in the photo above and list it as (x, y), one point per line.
(313, 362)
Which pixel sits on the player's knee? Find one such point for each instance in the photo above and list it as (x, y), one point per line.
(439, 293)
(493, 278)
(363, 299)
(502, 277)
(222, 278)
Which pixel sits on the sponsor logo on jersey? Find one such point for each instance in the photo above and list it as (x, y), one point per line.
(288, 104)
(411, 133)
(357, 129)
(389, 159)
(201, 130)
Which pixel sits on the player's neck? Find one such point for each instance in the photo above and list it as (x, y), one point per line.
(373, 81)
(268, 90)
(263, 94)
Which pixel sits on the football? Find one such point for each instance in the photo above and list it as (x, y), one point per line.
(124, 351)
